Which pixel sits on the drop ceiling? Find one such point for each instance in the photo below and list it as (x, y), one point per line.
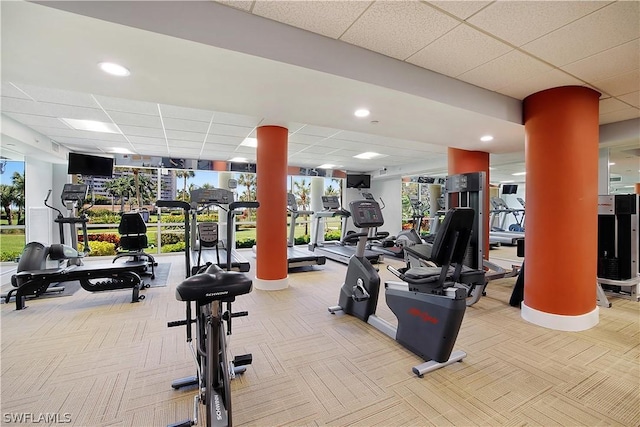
(206, 74)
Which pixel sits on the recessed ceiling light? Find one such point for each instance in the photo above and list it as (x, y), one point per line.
(239, 160)
(486, 138)
(119, 150)
(362, 112)
(114, 69)
(326, 166)
(507, 181)
(519, 173)
(250, 142)
(368, 155)
(91, 125)
(612, 163)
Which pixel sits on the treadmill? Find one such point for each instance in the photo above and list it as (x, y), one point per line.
(299, 256)
(337, 251)
(500, 234)
(212, 249)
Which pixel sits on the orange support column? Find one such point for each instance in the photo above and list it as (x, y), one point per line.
(561, 238)
(271, 235)
(464, 161)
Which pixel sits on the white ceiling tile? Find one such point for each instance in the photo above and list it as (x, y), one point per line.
(83, 148)
(398, 28)
(185, 125)
(621, 84)
(294, 127)
(185, 136)
(472, 48)
(305, 139)
(610, 105)
(146, 140)
(315, 150)
(294, 148)
(238, 4)
(604, 29)
(10, 91)
(620, 115)
(329, 18)
(318, 131)
(185, 113)
(33, 120)
(127, 105)
(27, 106)
(519, 22)
(461, 9)
(142, 131)
(632, 98)
(224, 140)
(504, 71)
(230, 130)
(79, 141)
(134, 119)
(236, 119)
(54, 133)
(178, 144)
(57, 96)
(520, 89)
(609, 63)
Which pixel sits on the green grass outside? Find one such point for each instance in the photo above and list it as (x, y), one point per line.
(11, 245)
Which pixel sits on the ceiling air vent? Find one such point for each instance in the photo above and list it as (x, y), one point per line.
(615, 179)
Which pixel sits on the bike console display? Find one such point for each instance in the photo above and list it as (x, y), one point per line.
(366, 213)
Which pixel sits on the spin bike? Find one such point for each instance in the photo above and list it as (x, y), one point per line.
(429, 304)
(211, 289)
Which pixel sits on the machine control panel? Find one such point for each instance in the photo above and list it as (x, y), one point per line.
(366, 213)
(74, 193)
(330, 202)
(218, 196)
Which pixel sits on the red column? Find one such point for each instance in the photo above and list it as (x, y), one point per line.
(561, 157)
(271, 272)
(463, 161)
(637, 188)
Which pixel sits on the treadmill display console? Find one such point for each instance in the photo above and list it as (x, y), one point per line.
(366, 214)
(219, 196)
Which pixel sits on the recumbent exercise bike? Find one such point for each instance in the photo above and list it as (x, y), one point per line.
(429, 304)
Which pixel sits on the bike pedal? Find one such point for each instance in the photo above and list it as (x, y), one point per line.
(242, 360)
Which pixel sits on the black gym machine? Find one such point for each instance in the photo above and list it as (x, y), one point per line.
(33, 277)
(429, 304)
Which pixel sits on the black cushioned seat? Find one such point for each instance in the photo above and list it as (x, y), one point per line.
(133, 240)
(214, 284)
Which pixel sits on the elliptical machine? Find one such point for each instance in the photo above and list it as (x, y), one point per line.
(428, 305)
(73, 197)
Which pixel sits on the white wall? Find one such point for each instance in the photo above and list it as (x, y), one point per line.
(387, 192)
(39, 219)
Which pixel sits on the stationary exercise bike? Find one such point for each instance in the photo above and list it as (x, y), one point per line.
(429, 304)
(209, 288)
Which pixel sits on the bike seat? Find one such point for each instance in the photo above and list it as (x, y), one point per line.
(211, 286)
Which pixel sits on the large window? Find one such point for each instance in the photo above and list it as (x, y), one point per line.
(12, 194)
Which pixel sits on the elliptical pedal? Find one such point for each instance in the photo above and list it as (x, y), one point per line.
(243, 360)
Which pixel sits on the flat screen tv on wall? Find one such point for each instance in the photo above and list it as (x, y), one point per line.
(358, 181)
(84, 164)
(509, 189)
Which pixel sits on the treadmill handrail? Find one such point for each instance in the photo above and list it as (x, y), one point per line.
(230, 228)
(185, 207)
